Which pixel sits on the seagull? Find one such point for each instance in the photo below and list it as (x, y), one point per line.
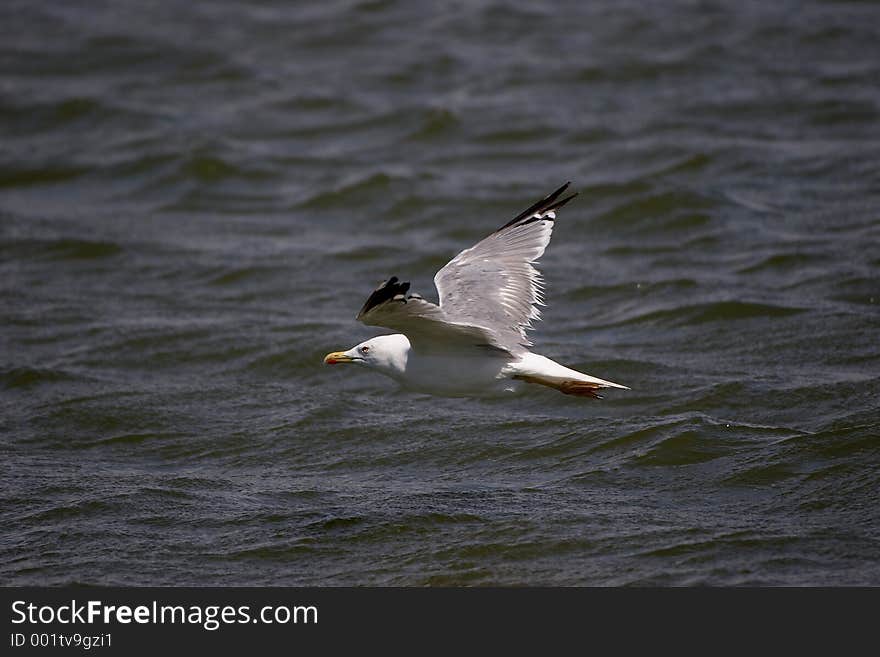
(474, 342)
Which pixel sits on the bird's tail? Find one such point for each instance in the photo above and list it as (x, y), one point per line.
(534, 368)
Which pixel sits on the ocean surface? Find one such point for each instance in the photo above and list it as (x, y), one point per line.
(196, 199)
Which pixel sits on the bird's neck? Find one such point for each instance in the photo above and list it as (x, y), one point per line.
(395, 358)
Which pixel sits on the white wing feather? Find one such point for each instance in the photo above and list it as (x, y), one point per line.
(488, 293)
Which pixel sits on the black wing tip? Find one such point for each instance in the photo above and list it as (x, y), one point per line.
(554, 195)
(547, 204)
(385, 292)
(561, 189)
(560, 203)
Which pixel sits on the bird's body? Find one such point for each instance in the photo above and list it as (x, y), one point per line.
(452, 373)
(474, 342)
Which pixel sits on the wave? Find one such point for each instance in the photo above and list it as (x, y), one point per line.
(703, 313)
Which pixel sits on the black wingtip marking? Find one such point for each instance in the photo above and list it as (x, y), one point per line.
(546, 204)
(561, 202)
(385, 292)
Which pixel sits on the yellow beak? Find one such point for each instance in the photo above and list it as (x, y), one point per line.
(335, 357)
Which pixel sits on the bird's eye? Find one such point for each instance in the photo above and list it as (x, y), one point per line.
(364, 350)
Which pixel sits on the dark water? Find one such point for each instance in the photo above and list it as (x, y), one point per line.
(196, 199)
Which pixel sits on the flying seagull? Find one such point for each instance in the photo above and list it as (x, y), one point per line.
(474, 342)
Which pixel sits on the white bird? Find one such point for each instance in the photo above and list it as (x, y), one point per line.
(474, 342)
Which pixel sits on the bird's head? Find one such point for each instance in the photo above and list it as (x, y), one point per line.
(385, 352)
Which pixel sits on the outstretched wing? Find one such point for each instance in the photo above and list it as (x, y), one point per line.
(488, 293)
(493, 284)
(425, 324)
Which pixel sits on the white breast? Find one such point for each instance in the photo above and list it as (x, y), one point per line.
(456, 375)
